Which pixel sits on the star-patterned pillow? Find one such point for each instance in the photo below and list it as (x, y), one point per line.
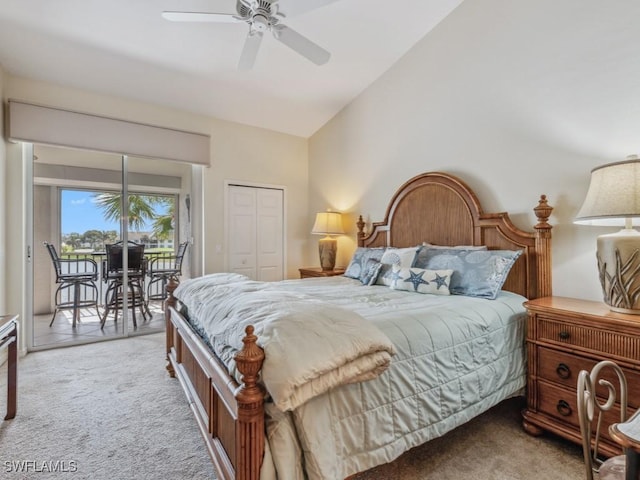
(403, 257)
(420, 280)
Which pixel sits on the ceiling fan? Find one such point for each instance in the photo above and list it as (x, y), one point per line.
(263, 16)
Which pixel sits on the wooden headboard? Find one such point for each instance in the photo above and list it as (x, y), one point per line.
(441, 209)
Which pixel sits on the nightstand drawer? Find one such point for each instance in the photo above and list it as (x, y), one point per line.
(563, 368)
(560, 367)
(600, 341)
(559, 403)
(562, 404)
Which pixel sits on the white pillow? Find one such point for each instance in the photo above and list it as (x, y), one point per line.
(420, 280)
(403, 257)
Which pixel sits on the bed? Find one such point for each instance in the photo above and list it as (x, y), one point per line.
(226, 389)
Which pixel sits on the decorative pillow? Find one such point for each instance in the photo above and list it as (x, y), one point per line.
(371, 271)
(420, 280)
(477, 273)
(403, 257)
(359, 260)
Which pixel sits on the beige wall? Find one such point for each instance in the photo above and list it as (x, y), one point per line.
(517, 99)
(257, 156)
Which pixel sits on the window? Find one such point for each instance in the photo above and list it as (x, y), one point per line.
(89, 219)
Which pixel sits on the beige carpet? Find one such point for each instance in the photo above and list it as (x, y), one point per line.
(109, 407)
(112, 409)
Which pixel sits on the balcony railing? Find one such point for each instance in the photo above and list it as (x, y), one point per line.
(162, 259)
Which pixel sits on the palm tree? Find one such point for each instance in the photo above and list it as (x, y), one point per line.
(163, 225)
(141, 208)
(73, 239)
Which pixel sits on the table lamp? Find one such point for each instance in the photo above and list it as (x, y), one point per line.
(328, 223)
(613, 199)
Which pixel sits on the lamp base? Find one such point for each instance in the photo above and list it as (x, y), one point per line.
(327, 247)
(619, 267)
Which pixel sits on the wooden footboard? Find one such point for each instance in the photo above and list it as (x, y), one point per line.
(230, 415)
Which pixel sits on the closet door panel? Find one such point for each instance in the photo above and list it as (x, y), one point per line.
(242, 230)
(269, 235)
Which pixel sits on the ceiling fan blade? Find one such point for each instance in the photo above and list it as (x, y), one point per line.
(250, 50)
(200, 17)
(298, 7)
(302, 45)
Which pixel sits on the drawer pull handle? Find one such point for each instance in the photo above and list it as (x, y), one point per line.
(564, 335)
(563, 371)
(564, 408)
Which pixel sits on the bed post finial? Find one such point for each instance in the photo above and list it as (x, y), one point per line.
(543, 212)
(249, 360)
(360, 224)
(543, 246)
(250, 397)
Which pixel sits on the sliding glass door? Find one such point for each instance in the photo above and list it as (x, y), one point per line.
(106, 234)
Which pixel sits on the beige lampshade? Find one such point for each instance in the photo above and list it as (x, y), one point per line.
(613, 199)
(328, 223)
(613, 195)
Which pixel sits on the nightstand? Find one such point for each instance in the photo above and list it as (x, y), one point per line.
(564, 336)
(318, 272)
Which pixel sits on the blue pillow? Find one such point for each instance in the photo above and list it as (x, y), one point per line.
(476, 273)
(359, 261)
(371, 271)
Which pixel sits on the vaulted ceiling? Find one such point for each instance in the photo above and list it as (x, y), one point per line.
(127, 49)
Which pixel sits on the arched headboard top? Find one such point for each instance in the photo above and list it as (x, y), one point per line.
(440, 209)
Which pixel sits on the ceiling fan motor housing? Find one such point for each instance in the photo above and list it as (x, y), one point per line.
(257, 13)
(248, 8)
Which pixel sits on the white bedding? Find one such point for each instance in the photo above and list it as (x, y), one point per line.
(301, 360)
(456, 357)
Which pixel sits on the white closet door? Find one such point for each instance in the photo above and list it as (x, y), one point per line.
(269, 235)
(242, 230)
(255, 240)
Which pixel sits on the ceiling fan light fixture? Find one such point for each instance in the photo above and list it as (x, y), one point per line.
(260, 23)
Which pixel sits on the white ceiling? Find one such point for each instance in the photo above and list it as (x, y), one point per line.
(125, 48)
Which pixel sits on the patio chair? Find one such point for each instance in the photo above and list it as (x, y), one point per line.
(163, 268)
(73, 277)
(114, 276)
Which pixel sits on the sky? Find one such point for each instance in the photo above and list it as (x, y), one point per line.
(79, 213)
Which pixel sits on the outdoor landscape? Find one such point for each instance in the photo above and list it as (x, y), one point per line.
(91, 219)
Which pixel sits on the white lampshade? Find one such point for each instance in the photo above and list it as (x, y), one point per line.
(328, 223)
(613, 199)
(613, 195)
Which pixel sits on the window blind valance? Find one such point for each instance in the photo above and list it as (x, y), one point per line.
(54, 126)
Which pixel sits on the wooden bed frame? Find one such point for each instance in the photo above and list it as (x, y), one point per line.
(433, 207)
